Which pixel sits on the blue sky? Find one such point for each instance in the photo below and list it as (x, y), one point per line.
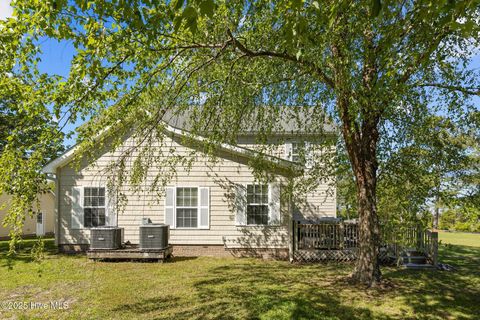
(56, 60)
(57, 56)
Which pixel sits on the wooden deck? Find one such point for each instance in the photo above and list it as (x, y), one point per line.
(131, 253)
(339, 241)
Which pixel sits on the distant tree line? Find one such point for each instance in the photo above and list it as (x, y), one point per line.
(433, 179)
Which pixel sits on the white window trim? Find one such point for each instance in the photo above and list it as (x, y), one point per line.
(76, 208)
(289, 149)
(240, 205)
(308, 152)
(204, 206)
(274, 213)
(105, 207)
(246, 206)
(198, 207)
(40, 214)
(292, 154)
(269, 204)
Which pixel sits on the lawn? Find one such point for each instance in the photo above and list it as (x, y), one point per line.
(215, 288)
(459, 238)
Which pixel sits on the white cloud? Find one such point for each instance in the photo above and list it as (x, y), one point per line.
(5, 9)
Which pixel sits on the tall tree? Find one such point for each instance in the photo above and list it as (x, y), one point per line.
(361, 63)
(21, 131)
(430, 168)
(29, 138)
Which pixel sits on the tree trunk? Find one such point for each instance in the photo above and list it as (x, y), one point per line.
(436, 216)
(367, 267)
(362, 151)
(360, 119)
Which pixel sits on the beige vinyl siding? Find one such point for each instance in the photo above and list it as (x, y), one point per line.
(47, 202)
(319, 203)
(217, 176)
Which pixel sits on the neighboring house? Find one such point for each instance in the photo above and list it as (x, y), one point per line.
(41, 224)
(215, 208)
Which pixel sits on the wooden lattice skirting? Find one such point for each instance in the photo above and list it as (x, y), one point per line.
(346, 255)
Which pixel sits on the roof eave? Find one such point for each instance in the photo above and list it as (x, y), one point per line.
(291, 167)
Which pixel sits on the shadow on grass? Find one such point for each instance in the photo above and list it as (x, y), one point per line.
(23, 251)
(148, 305)
(259, 290)
(256, 290)
(443, 294)
(462, 257)
(276, 292)
(180, 258)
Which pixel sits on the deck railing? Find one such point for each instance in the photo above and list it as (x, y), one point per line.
(344, 236)
(430, 247)
(327, 236)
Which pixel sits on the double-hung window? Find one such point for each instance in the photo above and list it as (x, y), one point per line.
(94, 207)
(257, 204)
(39, 217)
(187, 208)
(298, 152)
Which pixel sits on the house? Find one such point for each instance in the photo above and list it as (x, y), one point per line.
(213, 208)
(41, 224)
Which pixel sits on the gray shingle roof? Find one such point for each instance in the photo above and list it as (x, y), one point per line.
(286, 121)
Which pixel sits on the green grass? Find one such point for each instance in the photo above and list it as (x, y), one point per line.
(460, 238)
(215, 288)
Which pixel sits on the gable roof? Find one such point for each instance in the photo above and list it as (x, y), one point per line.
(292, 121)
(290, 167)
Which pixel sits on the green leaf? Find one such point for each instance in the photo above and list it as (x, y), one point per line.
(189, 12)
(207, 8)
(296, 4)
(288, 33)
(376, 7)
(190, 15)
(177, 4)
(192, 25)
(177, 22)
(299, 54)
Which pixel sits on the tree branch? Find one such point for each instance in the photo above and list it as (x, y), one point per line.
(74, 103)
(465, 90)
(192, 46)
(265, 53)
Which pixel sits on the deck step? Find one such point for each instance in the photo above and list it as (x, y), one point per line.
(413, 252)
(415, 259)
(418, 266)
(131, 253)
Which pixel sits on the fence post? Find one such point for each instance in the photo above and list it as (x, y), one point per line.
(291, 242)
(295, 236)
(435, 248)
(341, 235)
(395, 244)
(419, 246)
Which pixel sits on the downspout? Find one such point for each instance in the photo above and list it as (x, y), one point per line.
(291, 233)
(56, 224)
